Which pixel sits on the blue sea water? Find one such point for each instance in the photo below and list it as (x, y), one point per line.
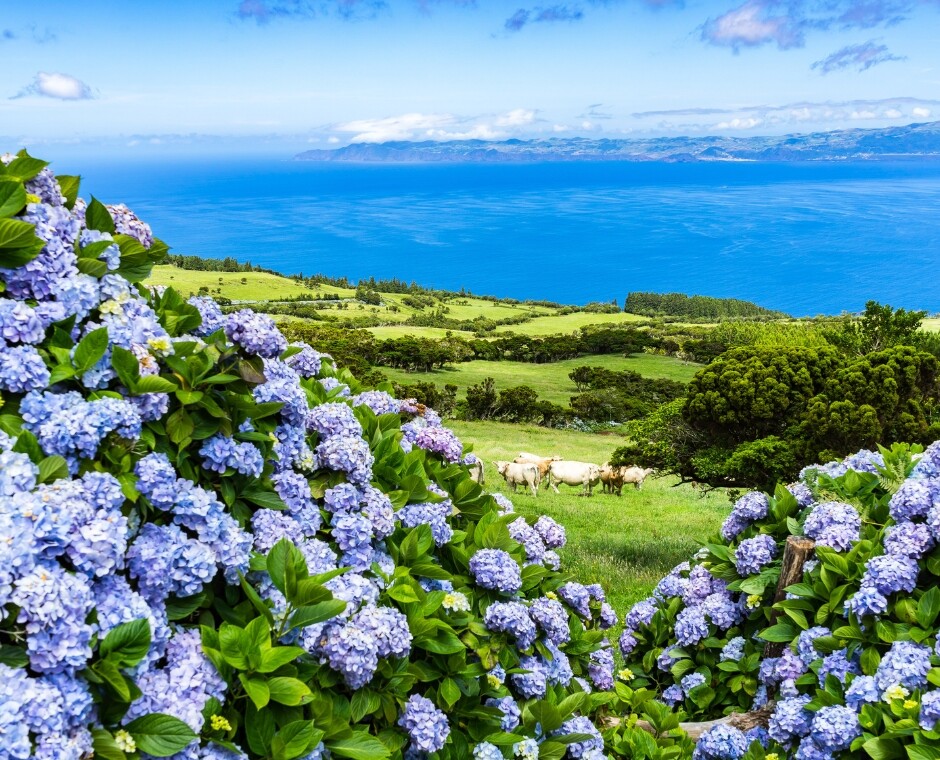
(804, 238)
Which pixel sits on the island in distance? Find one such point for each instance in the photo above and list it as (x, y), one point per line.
(890, 143)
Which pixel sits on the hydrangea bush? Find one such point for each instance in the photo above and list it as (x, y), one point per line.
(216, 545)
(848, 663)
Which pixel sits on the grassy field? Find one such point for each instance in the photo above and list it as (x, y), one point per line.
(258, 286)
(931, 324)
(569, 323)
(551, 381)
(625, 543)
(399, 331)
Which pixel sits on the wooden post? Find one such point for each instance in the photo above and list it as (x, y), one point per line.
(798, 550)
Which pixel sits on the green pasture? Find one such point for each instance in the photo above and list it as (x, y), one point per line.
(931, 324)
(258, 286)
(626, 543)
(551, 380)
(554, 324)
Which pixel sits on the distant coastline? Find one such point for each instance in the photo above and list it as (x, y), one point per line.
(911, 142)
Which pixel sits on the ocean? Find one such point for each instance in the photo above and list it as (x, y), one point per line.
(814, 238)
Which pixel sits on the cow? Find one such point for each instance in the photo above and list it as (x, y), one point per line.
(520, 474)
(636, 475)
(570, 473)
(542, 463)
(476, 472)
(612, 478)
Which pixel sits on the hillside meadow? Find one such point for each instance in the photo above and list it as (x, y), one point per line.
(626, 543)
(549, 380)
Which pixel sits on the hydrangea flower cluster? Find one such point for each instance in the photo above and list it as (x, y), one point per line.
(689, 628)
(160, 447)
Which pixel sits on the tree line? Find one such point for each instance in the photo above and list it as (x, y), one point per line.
(703, 308)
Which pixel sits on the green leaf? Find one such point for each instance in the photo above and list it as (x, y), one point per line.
(104, 745)
(881, 748)
(922, 752)
(68, 184)
(928, 607)
(449, 692)
(263, 498)
(18, 243)
(24, 167)
(364, 702)
(13, 656)
(288, 691)
(256, 689)
(92, 267)
(109, 673)
(781, 632)
(317, 613)
(126, 644)
(53, 468)
(160, 735)
(126, 366)
(97, 217)
(90, 349)
(276, 657)
(154, 384)
(12, 197)
(294, 740)
(359, 746)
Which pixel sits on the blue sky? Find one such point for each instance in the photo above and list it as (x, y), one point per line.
(285, 72)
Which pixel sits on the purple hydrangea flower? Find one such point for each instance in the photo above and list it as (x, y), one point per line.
(929, 710)
(551, 532)
(353, 652)
(532, 683)
(804, 643)
(587, 748)
(601, 668)
(834, 524)
(748, 509)
(255, 333)
(863, 690)
(913, 499)
(753, 554)
(691, 626)
(496, 570)
(835, 727)
(928, 466)
(891, 573)
(551, 617)
(909, 539)
(721, 743)
(790, 720)
(512, 714)
(905, 664)
(441, 441)
(427, 727)
(733, 651)
(511, 618)
(839, 665)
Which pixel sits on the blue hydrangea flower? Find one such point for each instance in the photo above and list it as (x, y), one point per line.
(332, 419)
(839, 665)
(835, 727)
(353, 652)
(496, 570)
(487, 751)
(387, 627)
(601, 668)
(834, 524)
(804, 643)
(733, 651)
(212, 317)
(427, 727)
(905, 664)
(255, 333)
(891, 573)
(913, 499)
(721, 743)
(511, 618)
(753, 554)
(22, 369)
(691, 626)
(551, 532)
(748, 509)
(440, 441)
(929, 710)
(790, 719)
(581, 725)
(863, 690)
(908, 539)
(532, 683)
(577, 597)
(512, 714)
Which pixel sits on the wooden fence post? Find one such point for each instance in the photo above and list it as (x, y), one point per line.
(798, 550)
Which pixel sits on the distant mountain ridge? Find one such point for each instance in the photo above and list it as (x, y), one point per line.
(910, 141)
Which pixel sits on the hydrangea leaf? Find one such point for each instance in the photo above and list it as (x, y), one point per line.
(160, 735)
(12, 197)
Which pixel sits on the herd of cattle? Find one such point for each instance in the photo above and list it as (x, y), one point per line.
(530, 471)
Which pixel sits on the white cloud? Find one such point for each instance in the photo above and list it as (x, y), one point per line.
(57, 85)
(518, 117)
(920, 113)
(748, 123)
(865, 114)
(750, 25)
(893, 113)
(437, 126)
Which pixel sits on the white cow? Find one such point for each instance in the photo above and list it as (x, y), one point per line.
(515, 474)
(476, 472)
(543, 463)
(582, 474)
(636, 475)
